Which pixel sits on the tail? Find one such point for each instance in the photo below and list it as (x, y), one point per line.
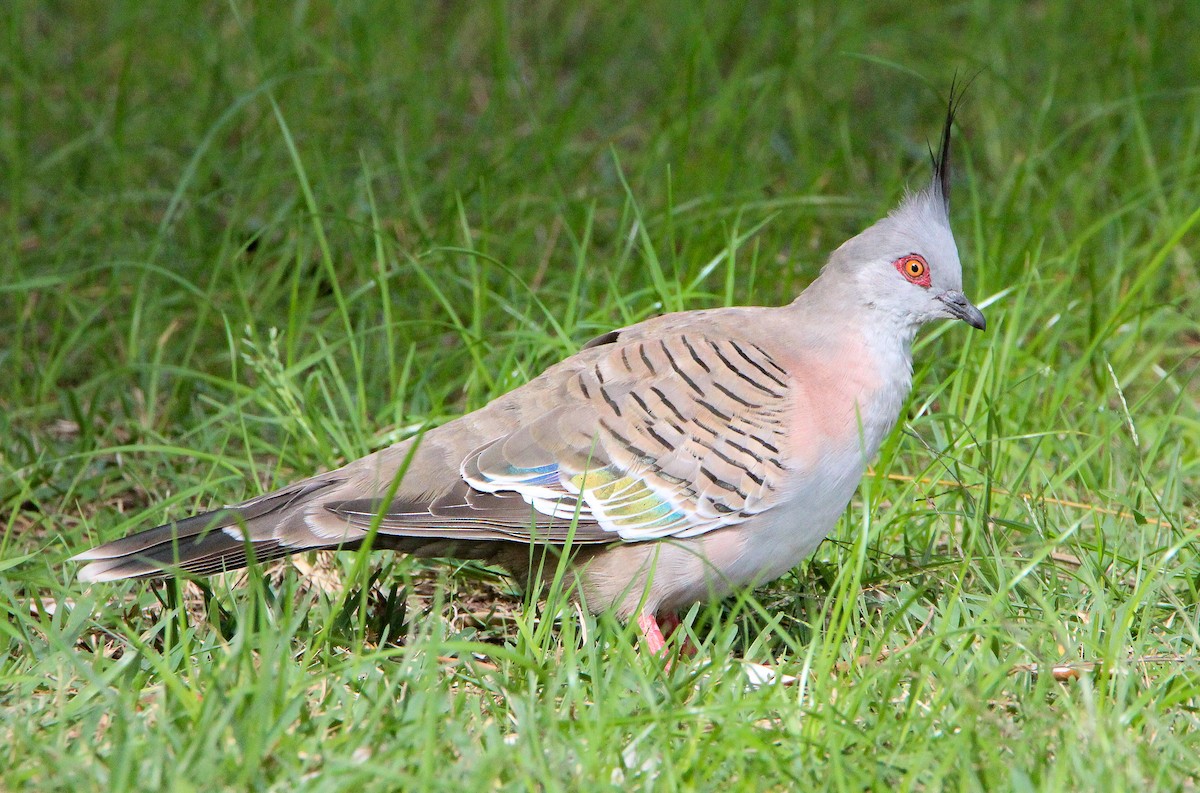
(268, 527)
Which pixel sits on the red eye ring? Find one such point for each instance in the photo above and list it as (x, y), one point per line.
(914, 269)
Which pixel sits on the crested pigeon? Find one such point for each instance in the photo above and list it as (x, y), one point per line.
(673, 460)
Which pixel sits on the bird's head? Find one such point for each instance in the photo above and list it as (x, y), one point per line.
(906, 265)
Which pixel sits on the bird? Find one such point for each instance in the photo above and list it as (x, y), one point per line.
(669, 462)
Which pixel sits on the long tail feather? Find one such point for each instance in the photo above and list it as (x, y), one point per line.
(212, 542)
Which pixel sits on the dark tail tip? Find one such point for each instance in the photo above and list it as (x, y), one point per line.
(213, 542)
(203, 544)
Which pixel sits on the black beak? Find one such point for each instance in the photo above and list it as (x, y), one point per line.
(959, 307)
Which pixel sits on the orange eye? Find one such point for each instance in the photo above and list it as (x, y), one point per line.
(914, 268)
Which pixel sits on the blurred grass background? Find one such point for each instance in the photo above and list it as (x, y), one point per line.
(245, 243)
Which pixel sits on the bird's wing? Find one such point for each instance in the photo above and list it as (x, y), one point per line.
(671, 435)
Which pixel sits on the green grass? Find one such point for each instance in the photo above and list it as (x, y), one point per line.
(243, 246)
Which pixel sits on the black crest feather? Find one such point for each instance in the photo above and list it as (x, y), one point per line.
(941, 161)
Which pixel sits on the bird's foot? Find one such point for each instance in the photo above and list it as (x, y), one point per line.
(655, 634)
(652, 634)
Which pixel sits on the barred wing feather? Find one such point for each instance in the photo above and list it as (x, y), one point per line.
(659, 437)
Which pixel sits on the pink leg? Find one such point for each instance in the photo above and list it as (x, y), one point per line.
(655, 634)
(669, 624)
(652, 634)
